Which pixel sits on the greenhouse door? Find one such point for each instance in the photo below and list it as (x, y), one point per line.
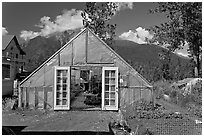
(110, 88)
(62, 88)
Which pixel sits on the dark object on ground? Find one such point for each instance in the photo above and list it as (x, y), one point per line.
(92, 100)
(7, 131)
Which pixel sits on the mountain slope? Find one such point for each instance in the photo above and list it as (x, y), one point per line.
(141, 52)
(143, 57)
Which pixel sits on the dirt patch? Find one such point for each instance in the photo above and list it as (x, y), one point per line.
(60, 121)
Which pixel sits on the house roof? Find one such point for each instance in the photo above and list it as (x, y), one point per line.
(6, 39)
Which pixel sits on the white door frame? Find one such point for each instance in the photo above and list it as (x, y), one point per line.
(62, 107)
(106, 107)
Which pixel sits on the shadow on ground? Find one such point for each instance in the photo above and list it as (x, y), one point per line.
(17, 130)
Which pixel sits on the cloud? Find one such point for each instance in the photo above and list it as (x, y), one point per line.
(124, 5)
(27, 35)
(68, 20)
(182, 54)
(4, 31)
(139, 35)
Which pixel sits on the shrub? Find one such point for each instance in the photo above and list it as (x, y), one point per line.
(162, 87)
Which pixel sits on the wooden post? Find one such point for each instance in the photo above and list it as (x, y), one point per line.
(86, 46)
(27, 97)
(36, 98)
(19, 97)
(45, 97)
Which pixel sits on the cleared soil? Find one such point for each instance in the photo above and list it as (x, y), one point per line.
(75, 121)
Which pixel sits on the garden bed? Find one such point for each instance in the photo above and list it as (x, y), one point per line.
(157, 120)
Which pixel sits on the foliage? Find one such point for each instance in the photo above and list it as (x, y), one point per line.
(92, 100)
(9, 103)
(161, 87)
(96, 17)
(184, 26)
(144, 110)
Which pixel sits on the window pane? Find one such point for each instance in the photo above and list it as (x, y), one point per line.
(58, 102)
(59, 72)
(112, 81)
(58, 94)
(64, 94)
(112, 102)
(64, 87)
(112, 73)
(106, 94)
(64, 73)
(58, 87)
(64, 80)
(58, 80)
(106, 73)
(113, 88)
(106, 87)
(5, 71)
(106, 80)
(106, 101)
(112, 95)
(64, 102)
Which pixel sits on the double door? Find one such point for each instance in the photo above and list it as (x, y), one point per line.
(109, 88)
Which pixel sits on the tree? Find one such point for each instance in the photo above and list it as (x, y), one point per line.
(165, 59)
(96, 17)
(184, 26)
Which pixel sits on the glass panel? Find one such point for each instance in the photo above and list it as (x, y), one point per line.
(106, 73)
(64, 94)
(106, 101)
(106, 87)
(106, 94)
(59, 72)
(112, 95)
(112, 81)
(58, 80)
(64, 87)
(64, 80)
(113, 88)
(64, 102)
(112, 73)
(112, 102)
(106, 80)
(64, 73)
(58, 87)
(58, 102)
(58, 94)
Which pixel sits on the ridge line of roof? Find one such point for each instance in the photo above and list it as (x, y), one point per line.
(12, 37)
(52, 56)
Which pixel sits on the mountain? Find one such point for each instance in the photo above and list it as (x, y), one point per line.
(143, 57)
(41, 48)
(142, 53)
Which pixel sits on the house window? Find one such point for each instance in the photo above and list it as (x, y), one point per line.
(16, 55)
(6, 71)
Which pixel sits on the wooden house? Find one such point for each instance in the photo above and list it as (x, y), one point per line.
(12, 62)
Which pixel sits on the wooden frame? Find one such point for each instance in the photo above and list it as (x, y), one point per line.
(104, 106)
(67, 106)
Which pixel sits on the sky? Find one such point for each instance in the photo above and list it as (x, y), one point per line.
(31, 19)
